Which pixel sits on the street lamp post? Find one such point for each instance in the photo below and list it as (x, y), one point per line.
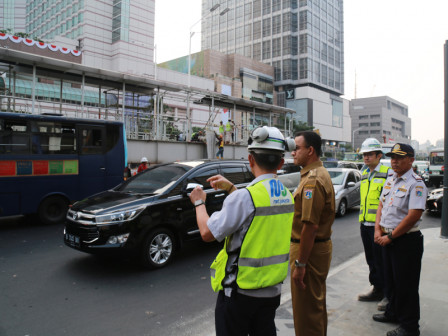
(188, 132)
(353, 137)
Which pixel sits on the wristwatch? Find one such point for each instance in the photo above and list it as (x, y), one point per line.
(198, 203)
(299, 264)
(389, 235)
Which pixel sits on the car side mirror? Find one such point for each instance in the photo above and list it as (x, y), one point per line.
(351, 184)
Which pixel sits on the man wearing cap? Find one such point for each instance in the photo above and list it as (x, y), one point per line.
(311, 247)
(372, 182)
(402, 203)
(255, 224)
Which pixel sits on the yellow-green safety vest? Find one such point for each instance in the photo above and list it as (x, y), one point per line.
(370, 193)
(228, 127)
(264, 253)
(221, 128)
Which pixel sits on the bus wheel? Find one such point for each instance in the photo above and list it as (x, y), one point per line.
(53, 210)
(158, 248)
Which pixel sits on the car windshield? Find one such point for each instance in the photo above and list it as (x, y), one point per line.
(154, 180)
(337, 177)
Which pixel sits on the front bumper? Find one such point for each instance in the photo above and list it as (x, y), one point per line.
(95, 238)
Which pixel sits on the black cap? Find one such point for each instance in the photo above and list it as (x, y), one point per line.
(402, 150)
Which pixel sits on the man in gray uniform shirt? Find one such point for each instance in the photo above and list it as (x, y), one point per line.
(402, 203)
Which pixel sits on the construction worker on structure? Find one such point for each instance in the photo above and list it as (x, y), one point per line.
(372, 182)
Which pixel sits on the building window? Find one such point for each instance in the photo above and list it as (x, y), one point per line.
(247, 33)
(276, 47)
(361, 117)
(303, 68)
(375, 124)
(266, 50)
(257, 30)
(257, 8)
(363, 124)
(338, 120)
(287, 70)
(276, 5)
(286, 22)
(276, 24)
(266, 27)
(277, 70)
(287, 45)
(324, 74)
(257, 52)
(266, 7)
(374, 116)
(120, 20)
(374, 132)
(363, 132)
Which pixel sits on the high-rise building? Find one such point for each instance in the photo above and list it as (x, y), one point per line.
(383, 118)
(116, 35)
(12, 15)
(303, 40)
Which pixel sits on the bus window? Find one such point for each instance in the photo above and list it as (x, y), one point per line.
(53, 138)
(13, 137)
(92, 141)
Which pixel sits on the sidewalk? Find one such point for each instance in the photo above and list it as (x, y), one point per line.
(347, 316)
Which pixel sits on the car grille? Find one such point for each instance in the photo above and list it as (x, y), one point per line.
(85, 233)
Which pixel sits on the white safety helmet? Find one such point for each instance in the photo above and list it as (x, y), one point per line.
(267, 139)
(370, 145)
(144, 159)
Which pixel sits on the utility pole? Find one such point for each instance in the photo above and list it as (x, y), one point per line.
(444, 229)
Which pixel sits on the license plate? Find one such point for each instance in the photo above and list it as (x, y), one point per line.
(72, 239)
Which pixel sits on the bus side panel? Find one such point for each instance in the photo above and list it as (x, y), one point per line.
(66, 186)
(9, 201)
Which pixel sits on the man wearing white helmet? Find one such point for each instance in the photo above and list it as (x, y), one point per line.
(372, 182)
(144, 164)
(255, 223)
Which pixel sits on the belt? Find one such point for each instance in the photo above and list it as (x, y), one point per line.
(315, 240)
(389, 230)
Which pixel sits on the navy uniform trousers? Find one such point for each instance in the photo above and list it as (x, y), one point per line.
(402, 266)
(374, 258)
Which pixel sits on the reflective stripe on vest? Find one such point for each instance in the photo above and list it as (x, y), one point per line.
(370, 193)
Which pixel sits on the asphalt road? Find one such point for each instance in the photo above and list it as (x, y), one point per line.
(47, 288)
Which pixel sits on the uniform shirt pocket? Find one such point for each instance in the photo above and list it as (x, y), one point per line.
(399, 199)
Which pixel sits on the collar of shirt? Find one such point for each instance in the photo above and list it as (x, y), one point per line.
(263, 177)
(311, 166)
(377, 168)
(403, 177)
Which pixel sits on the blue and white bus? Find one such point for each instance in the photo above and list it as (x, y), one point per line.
(49, 161)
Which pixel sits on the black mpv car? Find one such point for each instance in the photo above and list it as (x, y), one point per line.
(150, 214)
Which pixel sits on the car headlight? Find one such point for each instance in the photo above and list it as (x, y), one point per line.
(119, 216)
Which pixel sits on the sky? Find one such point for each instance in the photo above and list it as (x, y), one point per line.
(392, 47)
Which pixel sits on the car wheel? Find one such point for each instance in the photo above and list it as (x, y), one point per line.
(342, 210)
(158, 248)
(53, 210)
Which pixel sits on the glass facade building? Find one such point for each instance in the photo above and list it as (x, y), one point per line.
(302, 39)
(48, 19)
(12, 15)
